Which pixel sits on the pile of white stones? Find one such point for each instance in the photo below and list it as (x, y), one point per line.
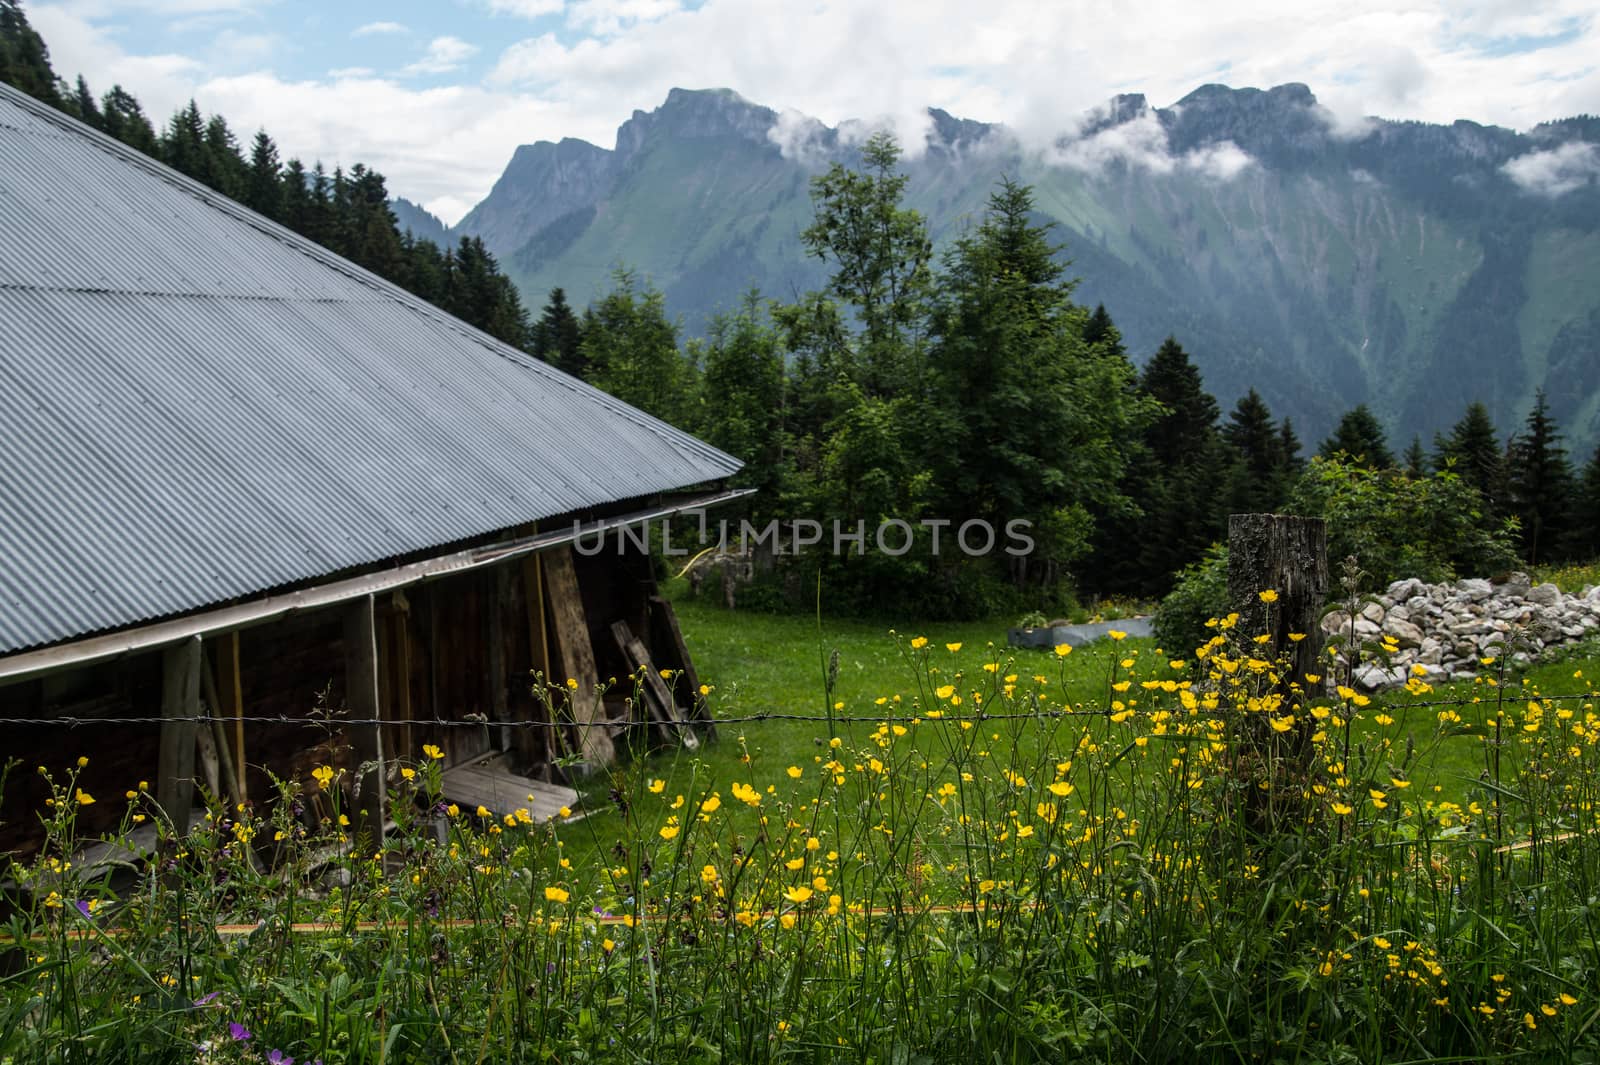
(1449, 629)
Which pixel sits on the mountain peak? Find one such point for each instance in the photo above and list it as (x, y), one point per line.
(696, 114)
(1283, 124)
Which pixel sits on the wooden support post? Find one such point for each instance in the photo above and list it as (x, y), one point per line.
(180, 706)
(577, 657)
(230, 697)
(366, 741)
(227, 783)
(499, 679)
(532, 744)
(400, 705)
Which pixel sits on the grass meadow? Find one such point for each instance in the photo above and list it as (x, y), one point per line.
(961, 853)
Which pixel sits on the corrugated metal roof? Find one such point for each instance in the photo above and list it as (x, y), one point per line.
(198, 405)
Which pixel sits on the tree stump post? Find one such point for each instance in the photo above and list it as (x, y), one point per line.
(1288, 556)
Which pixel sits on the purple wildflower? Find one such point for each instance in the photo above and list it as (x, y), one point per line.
(277, 1057)
(84, 908)
(239, 1032)
(206, 1000)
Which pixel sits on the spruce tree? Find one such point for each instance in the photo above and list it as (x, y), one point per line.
(1361, 438)
(183, 144)
(1472, 451)
(84, 106)
(631, 347)
(1415, 459)
(223, 166)
(1257, 477)
(1540, 485)
(24, 59)
(264, 191)
(1187, 469)
(1586, 513)
(745, 388)
(1035, 416)
(558, 336)
(123, 118)
(1289, 447)
(1102, 334)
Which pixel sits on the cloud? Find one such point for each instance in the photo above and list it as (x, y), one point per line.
(373, 29)
(1140, 143)
(1035, 67)
(341, 73)
(1223, 161)
(526, 8)
(232, 50)
(444, 54)
(799, 137)
(1557, 171)
(608, 17)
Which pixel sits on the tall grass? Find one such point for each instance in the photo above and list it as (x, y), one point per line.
(1012, 861)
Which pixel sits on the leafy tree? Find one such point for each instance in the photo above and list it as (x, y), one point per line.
(631, 348)
(558, 335)
(1361, 437)
(24, 59)
(1472, 449)
(881, 253)
(1540, 484)
(1433, 527)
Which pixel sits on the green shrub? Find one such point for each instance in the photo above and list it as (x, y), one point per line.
(1201, 593)
(1435, 528)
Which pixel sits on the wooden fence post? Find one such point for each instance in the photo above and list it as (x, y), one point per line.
(180, 707)
(1287, 555)
(366, 741)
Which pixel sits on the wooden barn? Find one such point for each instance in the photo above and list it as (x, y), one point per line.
(246, 485)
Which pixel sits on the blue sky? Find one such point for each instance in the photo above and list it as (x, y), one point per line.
(438, 94)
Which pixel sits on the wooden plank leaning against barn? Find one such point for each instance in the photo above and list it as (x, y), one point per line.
(577, 656)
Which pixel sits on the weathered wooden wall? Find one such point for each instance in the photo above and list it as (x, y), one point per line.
(460, 647)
